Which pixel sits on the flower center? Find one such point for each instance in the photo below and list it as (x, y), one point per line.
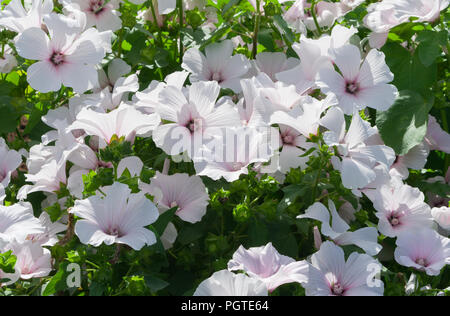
(114, 231)
(337, 289)
(236, 166)
(173, 204)
(288, 139)
(195, 125)
(217, 76)
(352, 87)
(394, 219)
(422, 262)
(57, 58)
(96, 6)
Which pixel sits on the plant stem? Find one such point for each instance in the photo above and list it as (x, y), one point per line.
(313, 13)
(180, 8)
(256, 29)
(155, 20)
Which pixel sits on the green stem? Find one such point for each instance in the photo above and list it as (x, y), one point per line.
(313, 13)
(156, 23)
(256, 29)
(180, 8)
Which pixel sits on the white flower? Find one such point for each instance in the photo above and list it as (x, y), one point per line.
(49, 237)
(315, 54)
(100, 13)
(330, 275)
(360, 85)
(10, 160)
(124, 121)
(33, 261)
(357, 159)
(226, 283)
(17, 222)
(187, 193)
(423, 249)
(266, 264)
(442, 216)
(8, 60)
(118, 217)
(400, 208)
(18, 18)
(191, 118)
(365, 238)
(217, 64)
(68, 57)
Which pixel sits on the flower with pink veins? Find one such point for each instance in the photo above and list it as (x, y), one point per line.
(331, 275)
(437, 138)
(193, 118)
(387, 14)
(49, 178)
(125, 121)
(423, 249)
(117, 217)
(147, 100)
(268, 265)
(315, 54)
(441, 215)
(15, 17)
(68, 57)
(360, 85)
(399, 208)
(294, 146)
(357, 160)
(262, 97)
(217, 64)
(113, 88)
(8, 60)
(17, 222)
(365, 238)
(231, 159)
(10, 160)
(308, 122)
(272, 63)
(33, 261)
(226, 283)
(102, 14)
(51, 229)
(415, 159)
(186, 193)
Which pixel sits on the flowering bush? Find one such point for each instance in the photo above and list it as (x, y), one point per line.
(229, 147)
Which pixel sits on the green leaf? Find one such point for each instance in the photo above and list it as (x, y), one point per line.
(408, 68)
(7, 262)
(155, 284)
(429, 48)
(57, 282)
(164, 219)
(8, 115)
(404, 125)
(284, 29)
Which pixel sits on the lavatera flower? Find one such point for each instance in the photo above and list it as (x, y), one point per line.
(118, 217)
(331, 275)
(266, 264)
(356, 160)
(366, 238)
(423, 249)
(226, 283)
(359, 84)
(67, 57)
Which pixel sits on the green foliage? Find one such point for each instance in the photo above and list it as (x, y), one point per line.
(404, 125)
